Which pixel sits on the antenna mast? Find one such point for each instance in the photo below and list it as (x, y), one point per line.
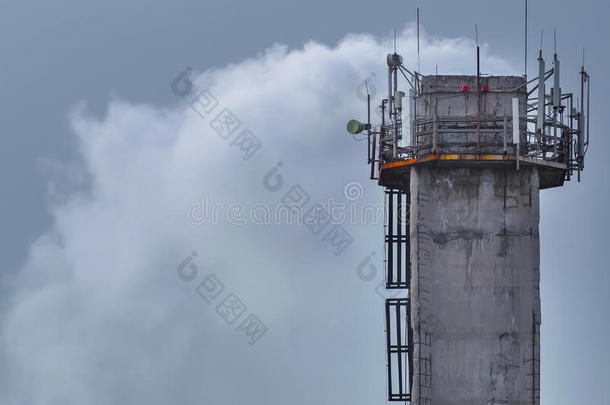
(525, 54)
(418, 67)
(476, 34)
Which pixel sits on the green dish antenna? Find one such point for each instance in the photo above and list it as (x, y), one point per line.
(355, 127)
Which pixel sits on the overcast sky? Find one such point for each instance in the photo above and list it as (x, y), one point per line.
(107, 169)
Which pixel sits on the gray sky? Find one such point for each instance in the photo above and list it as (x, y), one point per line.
(59, 55)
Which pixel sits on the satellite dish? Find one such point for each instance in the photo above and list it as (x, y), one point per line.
(355, 127)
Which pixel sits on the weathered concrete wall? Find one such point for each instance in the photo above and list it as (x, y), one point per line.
(444, 94)
(475, 285)
(455, 112)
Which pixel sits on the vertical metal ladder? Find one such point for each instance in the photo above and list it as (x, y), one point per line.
(399, 334)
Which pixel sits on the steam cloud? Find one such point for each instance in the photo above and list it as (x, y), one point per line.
(99, 313)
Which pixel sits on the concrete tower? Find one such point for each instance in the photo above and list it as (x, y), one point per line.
(462, 240)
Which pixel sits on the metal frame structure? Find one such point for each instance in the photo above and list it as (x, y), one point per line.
(399, 334)
(554, 131)
(399, 340)
(397, 240)
(535, 374)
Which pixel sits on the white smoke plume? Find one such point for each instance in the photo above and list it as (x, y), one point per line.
(110, 308)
